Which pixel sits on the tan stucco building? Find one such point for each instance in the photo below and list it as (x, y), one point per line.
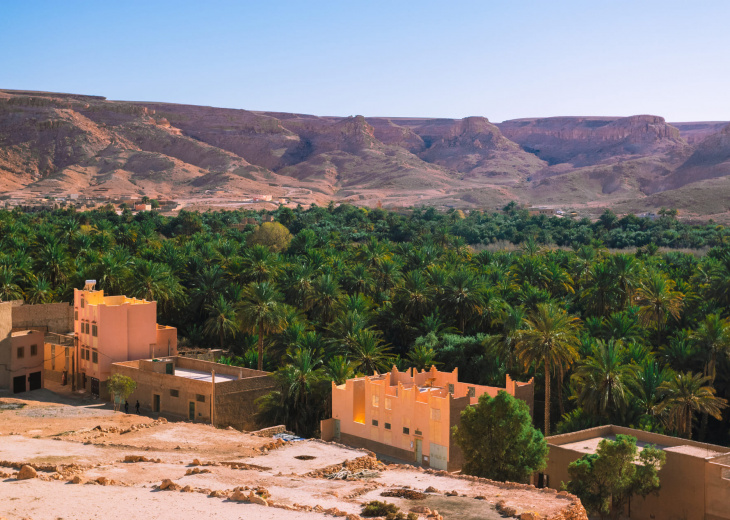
(408, 415)
(110, 329)
(196, 390)
(22, 341)
(695, 481)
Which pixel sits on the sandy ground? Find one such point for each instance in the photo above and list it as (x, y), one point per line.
(63, 430)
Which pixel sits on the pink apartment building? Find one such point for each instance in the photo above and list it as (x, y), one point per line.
(110, 329)
(409, 415)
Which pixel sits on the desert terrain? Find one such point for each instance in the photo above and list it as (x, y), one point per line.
(88, 460)
(54, 145)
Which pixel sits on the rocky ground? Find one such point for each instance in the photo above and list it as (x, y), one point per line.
(73, 457)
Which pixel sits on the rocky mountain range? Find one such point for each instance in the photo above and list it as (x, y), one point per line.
(64, 143)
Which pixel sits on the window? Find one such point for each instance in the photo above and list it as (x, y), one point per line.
(82, 303)
(94, 356)
(418, 432)
(376, 401)
(53, 357)
(387, 426)
(471, 392)
(174, 393)
(388, 403)
(435, 414)
(451, 388)
(87, 327)
(375, 422)
(21, 352)
(94, 330)
(200, 398)
(406, 431)
(34, 350)
(76, 315)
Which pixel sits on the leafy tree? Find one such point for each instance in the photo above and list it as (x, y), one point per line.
(272, 235)
(121, 387)
(498, 441)
(606, 480)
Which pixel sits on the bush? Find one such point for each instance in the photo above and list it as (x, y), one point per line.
(389, 511)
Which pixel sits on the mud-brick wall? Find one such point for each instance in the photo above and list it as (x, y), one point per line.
(235, 402)
(52, 317)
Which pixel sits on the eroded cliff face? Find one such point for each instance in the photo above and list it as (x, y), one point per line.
(584, 141)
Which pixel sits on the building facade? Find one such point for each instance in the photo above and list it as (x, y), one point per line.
(197, 390)
(695, 480)
(409, 415)
(109, 329)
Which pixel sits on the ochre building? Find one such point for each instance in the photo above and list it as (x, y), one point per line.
(409, 415)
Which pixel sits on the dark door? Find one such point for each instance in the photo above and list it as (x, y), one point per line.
(34, 381)
(156, 403)
(169, 369)
(94, 387)
(191, 411)
(18, 384)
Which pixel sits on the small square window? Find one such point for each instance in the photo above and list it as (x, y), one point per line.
(21, 352)
(34, 350)
(406, 431)
(375, 422)
(174, 393)
(200, 398)
(387, 426)
(94, 357)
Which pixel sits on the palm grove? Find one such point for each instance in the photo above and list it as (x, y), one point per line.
(636, 338)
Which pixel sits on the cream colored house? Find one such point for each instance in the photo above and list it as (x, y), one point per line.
(408, 415)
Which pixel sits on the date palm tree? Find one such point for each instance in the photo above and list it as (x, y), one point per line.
(222, 319)
(9, 288)
(604, 380)
(40, 291)
(462, 296)
(369, 354)
(550, 338)
(685, 395)
(657, 301)
(262, 312)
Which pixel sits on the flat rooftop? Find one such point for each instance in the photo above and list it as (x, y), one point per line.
(200, 375)
(589, 446)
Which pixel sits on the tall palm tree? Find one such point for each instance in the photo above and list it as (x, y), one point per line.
(657, 301)
(414, 297)
(462, 295)
(259, 264)
(626, 272)
(9, 288)
(550, 338)
(369, 354)
(154, 282)
(339, 369)
(712, 338)
(262, 312)
(422, 357)
(646, 386)
(685, 395)
(324, 298)
(603, 380)
(54, 262)
(222, 319)
(40, 291)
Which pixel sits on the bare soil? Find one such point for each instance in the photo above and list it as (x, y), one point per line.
(66, 437)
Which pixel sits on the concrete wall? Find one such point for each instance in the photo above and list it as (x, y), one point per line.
(48, 317)
(717, 489)
(6, 325)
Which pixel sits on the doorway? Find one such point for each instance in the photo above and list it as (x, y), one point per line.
(18, 384)
(35, 381)
(337, 429)
(94, 387)
(191, 411)
(156, 403)
(419, 451)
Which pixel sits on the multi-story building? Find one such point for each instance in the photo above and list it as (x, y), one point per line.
(409, 415)
(110, 329)
(695, 479)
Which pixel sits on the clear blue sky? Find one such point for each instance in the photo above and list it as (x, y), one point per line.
(500, 59)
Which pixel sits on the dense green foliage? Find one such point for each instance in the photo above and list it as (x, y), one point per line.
(606, 480)
(635, 338)
(498, 441)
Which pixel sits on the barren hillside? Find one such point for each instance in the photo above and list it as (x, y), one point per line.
(58, 144)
